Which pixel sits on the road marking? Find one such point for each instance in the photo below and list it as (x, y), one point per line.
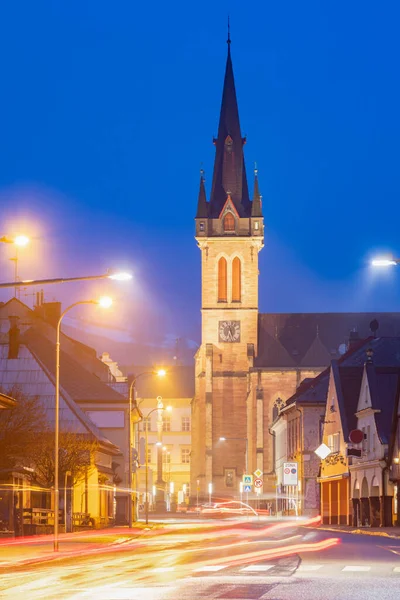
(211, 568)
(355, 568)
(163, 569)
(258, 568)
(309, 567)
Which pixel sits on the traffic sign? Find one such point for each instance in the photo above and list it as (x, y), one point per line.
(248, 479)
(247, 488)
(258, 483)
(290, 473)
(258, 473)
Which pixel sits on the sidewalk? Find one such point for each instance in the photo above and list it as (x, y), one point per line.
(389, 532)
(37, 549)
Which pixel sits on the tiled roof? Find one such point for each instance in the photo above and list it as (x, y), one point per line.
(384, 389)
(297, 334)
(311, 391)
(78, 382)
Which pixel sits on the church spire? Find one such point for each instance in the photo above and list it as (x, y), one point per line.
(229, 170)
(202, 207)
(256, 208)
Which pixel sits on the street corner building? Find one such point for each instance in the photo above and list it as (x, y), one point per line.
(93, 413)
(249, 363)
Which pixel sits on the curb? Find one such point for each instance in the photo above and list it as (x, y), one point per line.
(361, 532)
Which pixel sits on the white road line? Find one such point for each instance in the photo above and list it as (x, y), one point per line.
(305, 568)
(258, 568)
(356, 568)
(163, 570)
(211, 568)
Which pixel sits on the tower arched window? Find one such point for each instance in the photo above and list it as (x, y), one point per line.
(236, 280)
(229, 222)
(222, 280)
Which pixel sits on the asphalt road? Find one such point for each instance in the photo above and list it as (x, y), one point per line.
(242, 564)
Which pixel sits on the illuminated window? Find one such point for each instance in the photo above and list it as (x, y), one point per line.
(236, 280)
(185, 423)
(146, 424)
(229, 222)
(185, 456)
(334, 442)
(256, 225)
(166, 423)
(166, 457)
(222, 280)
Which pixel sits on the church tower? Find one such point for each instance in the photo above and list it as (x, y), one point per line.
(229, 233)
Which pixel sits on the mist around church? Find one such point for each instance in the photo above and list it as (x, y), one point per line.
(262, 462)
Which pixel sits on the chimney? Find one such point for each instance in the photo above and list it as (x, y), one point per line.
(13, 338)
(49, 312)
(354, 338)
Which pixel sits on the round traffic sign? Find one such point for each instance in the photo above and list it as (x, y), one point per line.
(287, 471)
(258, 482)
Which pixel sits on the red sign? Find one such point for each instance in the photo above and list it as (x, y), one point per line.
(258, 483)
(356, 436)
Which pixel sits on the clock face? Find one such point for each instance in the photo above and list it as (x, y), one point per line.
(229, 331)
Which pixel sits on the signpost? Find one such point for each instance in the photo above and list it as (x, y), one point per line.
(290, 473)
(247, 488)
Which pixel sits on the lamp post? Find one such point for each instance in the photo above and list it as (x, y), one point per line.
(105, 302)
(168, 408)
(117, 276)
(132, 440)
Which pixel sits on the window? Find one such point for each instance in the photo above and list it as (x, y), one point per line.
(166, 456)
(334, 442)
(146, 424)
(236, 280)
(222, 280)
(185, 423)
(201, 226)
(256, 225)
(185, 456)
(166, 423)
(368, 438)
(149, 454)
(229, 222)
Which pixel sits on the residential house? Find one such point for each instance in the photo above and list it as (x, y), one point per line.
(363, 394)
(88, 405)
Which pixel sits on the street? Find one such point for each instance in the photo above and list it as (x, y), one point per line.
(241, 561)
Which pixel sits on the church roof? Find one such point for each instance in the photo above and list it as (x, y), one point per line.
(297, 334)
(229, 168)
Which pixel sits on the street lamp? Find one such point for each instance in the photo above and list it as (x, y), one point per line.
(385, 261)
(104, 302)
(118, 276)
(168, 408)
(132, 438)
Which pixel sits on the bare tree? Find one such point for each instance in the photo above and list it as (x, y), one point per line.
(75, 455)
(21, 429)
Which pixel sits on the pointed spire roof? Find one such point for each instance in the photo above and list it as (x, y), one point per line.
(256, 209)
(229, 169)
(202, 206)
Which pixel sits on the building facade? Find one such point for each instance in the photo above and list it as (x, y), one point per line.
(247, 360)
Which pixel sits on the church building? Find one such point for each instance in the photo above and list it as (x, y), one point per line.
(247, 361)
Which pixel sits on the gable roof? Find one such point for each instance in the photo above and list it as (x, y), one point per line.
(311, 391)
(78, 382)
(296, 332)
(384, 386)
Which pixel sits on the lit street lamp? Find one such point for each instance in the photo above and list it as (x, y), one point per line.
(104, 302)
(132, 441)
(159, 407)
(385, 262)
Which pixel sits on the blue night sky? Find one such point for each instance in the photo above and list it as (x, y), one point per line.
(109, 109)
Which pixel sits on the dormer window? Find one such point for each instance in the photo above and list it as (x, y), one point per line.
(229, 222)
